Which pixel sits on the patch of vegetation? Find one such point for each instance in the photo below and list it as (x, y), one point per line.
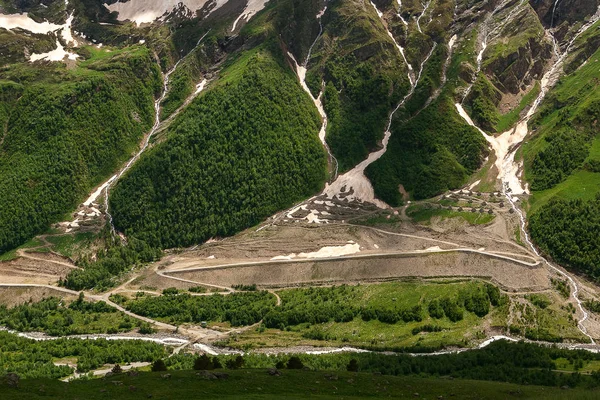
(592, 305)
(538, 300)
(11, 255)
(545, 317)
(562, 286)
(424, 214)
(500, 361)
(72, 245)
(54, 317)
(482, 103)
(35, 359)
(111, 262)
(379, 316)
(291, 384)
(238, 309)
(565, 139)
(508, 120)
(568, 231)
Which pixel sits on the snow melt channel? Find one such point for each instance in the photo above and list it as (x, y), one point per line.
(355, 180)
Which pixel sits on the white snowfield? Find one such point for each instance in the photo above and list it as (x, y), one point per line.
(23, 21)
(57, 54)
(324, 252)
(252, 7)
(147, 11)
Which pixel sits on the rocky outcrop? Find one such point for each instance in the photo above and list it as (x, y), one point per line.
(515, 71)
(570, 11)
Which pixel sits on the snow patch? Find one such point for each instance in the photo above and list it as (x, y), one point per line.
(147, 11)
(333, 251)
(200, 87)
(252, 8)
(14, 21)
(94, 196)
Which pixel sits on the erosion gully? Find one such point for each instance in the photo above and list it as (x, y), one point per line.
(157, 124)
(506, 145)
(355, 179)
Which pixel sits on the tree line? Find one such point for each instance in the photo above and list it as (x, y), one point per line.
(35, 359)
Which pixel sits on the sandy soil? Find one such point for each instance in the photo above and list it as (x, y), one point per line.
(509, 275)
(12, 296)
(32, 271)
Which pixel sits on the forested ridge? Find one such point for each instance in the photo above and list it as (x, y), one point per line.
(430, 154)
(64, 132)
(241, 151)
(561, 163)
(431, 149)
(569, 232)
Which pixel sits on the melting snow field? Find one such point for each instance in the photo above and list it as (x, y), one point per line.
(57, 54)
(252, 8)
(146, 11)
(508, 169)
(324, 252)
(23, 21)
(14, 21)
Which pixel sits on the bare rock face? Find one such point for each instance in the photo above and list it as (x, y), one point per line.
(518, 69)
(566, 10)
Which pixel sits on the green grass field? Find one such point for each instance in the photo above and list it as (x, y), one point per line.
(377, 334)
(292, 384)
(422, 214)
(580, 185)
(12, 254)
(70, 245)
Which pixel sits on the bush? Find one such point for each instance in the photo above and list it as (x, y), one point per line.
(203, 363)
(116, 369)
(159, 366)
(352, 366)
(294, 363)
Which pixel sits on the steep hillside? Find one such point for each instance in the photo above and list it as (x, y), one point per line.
(364, 76)
(431, 149)
(63, 131)
(562, 163)
(237, 154)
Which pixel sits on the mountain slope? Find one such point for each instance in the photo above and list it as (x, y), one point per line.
(64, 132)
(237, 154)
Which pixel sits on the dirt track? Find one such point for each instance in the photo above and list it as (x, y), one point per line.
(511, 275)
